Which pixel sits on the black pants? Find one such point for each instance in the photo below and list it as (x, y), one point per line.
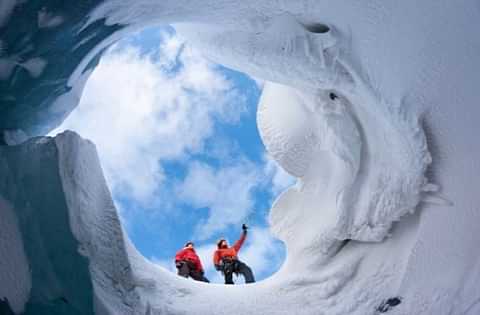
(236, 266)
(187, 269)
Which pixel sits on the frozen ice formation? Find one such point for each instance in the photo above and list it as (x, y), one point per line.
(68, 254)
(347, 178)
(372, 105)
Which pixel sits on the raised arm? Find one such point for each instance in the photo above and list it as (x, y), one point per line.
(238, 244)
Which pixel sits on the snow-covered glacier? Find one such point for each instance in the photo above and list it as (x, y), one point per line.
(371, 105)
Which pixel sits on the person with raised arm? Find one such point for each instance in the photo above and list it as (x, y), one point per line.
(226, 259)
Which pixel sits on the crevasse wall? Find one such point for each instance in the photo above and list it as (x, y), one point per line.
(386, 204)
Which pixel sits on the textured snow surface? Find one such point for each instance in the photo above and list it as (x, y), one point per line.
(372, 105)
(330, 144)
(14, 270)
(118, 280)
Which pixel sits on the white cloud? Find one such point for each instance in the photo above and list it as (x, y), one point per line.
(139, 110)
(226, 191)
(279, 178)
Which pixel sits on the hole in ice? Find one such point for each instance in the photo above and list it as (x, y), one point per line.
(317, 28)
(186, 162)
(388, 304)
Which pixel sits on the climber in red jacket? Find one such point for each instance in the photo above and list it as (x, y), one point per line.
(226, 260)
(188, 263)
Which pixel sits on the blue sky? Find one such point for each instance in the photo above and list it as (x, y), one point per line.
(179, 146)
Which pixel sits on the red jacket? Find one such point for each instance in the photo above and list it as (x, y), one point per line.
(189, 254)
(229, 251)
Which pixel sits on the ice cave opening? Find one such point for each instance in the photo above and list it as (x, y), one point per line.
(196, 169)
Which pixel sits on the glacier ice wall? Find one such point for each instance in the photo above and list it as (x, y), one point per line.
(72, 246)
(32, 190)
(372, 105)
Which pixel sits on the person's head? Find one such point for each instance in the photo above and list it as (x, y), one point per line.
(189, 244)
(222, 243)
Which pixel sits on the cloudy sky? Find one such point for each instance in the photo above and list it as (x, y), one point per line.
(178, 142)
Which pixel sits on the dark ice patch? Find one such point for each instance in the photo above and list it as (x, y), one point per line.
(5, 308)
(317, 28)
(332, 96)
(387, 305)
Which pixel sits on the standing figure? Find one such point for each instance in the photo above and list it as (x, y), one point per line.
(188, 263)
(226, 260)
